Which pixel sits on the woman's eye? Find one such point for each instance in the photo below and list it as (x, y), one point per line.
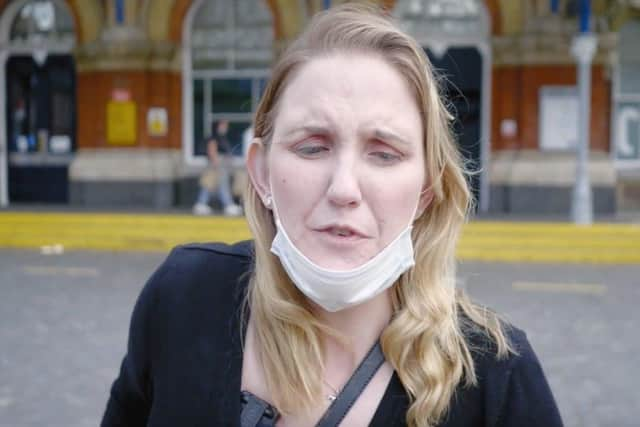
(311, 150)
(386, 156)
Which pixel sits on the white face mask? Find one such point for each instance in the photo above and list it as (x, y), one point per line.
(337, 290)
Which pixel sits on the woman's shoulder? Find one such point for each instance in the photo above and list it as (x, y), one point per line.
(484, 348)
(215, 271)
(493, 342)
(512, 385)
(195, 257)
(183, 325)
(493, 361)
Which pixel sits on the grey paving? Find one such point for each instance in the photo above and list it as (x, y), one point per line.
(63, 325)
(585, 335)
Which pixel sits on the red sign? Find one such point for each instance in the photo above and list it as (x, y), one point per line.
(121, 95)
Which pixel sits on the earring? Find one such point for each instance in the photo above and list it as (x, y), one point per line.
(267, 201)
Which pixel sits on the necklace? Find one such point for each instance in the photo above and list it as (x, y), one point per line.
(334, 395)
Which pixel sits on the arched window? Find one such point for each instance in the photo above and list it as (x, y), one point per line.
(41, 19)
(430, 20)
(231, 46)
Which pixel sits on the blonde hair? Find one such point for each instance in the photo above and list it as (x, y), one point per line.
(426, 341)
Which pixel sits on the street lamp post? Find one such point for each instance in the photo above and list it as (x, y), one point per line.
(583, 49)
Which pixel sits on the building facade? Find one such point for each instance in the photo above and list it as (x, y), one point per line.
(108, 102)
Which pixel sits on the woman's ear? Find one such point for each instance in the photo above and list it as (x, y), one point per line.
(426, 197)
(258, 170)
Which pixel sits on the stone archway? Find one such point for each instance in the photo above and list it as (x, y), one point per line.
(33, 50)
(87, 16)
(180, 10)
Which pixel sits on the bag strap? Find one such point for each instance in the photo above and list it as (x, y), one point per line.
(256, 412)
(353, 388)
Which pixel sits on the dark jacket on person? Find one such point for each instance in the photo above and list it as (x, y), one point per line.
(184, 357)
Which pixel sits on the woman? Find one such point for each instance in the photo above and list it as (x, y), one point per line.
(356, 201)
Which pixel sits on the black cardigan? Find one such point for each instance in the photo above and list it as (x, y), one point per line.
(184, 357)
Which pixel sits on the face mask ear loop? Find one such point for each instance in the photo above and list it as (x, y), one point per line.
(272, 205)
(422, 193)
(413, 218)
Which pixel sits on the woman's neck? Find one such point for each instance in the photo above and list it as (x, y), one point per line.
(361, 325)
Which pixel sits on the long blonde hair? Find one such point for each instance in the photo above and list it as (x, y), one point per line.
(425, 341)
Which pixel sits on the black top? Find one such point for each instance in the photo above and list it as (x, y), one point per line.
(224, 146)
(184, 357)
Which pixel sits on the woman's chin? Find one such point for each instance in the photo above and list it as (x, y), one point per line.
(339, 261)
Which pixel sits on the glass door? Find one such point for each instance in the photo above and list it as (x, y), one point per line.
(40, 127)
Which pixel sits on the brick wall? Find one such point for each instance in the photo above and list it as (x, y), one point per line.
(516, 95)
(147, 89)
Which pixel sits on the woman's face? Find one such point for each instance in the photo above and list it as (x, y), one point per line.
(346, 165)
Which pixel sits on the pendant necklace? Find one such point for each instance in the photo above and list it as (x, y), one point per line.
(334, 395)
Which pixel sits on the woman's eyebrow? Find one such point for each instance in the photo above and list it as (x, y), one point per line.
(386, 135)
(307, 129)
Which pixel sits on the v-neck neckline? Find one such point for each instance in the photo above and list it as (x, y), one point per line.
(382, 416)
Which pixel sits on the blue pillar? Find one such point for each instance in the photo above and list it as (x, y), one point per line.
(119, 11)
(585, 15)
(326, 4)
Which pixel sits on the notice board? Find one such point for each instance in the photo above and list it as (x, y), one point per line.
(121, 123)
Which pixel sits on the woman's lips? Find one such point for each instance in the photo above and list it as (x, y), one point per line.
(341, 233)
(341, 230)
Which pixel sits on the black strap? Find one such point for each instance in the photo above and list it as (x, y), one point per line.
(256, 412)
(354, 387)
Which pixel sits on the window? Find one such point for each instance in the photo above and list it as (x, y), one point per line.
(42, 19)
(626, 94)
(231, 52)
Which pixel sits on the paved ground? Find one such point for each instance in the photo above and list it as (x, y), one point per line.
(63, 321)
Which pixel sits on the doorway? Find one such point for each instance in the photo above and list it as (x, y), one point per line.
(461, 69)
(40, 117)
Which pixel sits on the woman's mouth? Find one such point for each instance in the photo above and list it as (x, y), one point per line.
(342, 232)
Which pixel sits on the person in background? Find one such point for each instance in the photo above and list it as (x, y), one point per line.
(240, 177)
(218, 175)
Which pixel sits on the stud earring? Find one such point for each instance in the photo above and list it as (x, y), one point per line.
(268, 201)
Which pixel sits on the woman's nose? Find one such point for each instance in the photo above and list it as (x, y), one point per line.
(344, 187)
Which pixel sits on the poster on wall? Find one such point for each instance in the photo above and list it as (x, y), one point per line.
(121, 123)
(558, 118)
(157, 122)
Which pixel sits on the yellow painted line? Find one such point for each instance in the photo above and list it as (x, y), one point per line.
(47, 270)
(481, 240)
(545, 259)
(492, 225)
(571, 288)
(5, 402)
(508, 242)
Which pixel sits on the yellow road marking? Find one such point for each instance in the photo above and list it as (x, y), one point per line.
(569, 288)
(47, 270)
